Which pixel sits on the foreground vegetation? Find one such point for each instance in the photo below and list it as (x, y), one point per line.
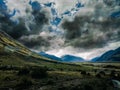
(38, 74)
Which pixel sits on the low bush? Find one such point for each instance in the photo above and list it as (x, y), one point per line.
(38, 72)
(24, 83)
(83, 73)
(23, 71)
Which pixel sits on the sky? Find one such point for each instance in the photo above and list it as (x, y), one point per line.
(84, 28)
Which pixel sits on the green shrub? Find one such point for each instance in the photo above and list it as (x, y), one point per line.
(102, 73)
(88, 74)
(24, 83)
(50, 82)
(112, 74)
(3, 67)
(83, 73)
(88, 87)
(39, 72)
(98, 75)
(23, 71)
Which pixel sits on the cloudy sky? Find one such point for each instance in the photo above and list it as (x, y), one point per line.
(90, 30)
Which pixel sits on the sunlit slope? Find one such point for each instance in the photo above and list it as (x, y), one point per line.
(12, 53)
(12, 48)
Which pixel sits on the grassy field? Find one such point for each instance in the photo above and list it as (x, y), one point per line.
(37, 74)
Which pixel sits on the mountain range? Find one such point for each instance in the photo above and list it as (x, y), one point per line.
(10, 48)
(65, 58)
(71, 58)
(109, 56)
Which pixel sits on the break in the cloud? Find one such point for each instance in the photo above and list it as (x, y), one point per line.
(88, 33)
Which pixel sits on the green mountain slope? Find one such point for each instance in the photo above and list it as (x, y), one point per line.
(14, 53)
(9, 45)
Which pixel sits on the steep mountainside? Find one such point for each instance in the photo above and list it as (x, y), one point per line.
(110, 56)
(11, 51)
(14, 53)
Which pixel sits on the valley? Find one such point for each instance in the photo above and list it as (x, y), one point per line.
(22, 69)
(51, 76)
(59, 44)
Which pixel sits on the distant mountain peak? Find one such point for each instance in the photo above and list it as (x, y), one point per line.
(109, 56)
(71, 58)
(65, 58)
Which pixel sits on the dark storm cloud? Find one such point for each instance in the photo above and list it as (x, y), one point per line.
(6, 24)
(86, 32)
(88, 42)
(40, 19)
(112, 2)
(74, 28)
(35, 42)
(24, 28)
(16, 30)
